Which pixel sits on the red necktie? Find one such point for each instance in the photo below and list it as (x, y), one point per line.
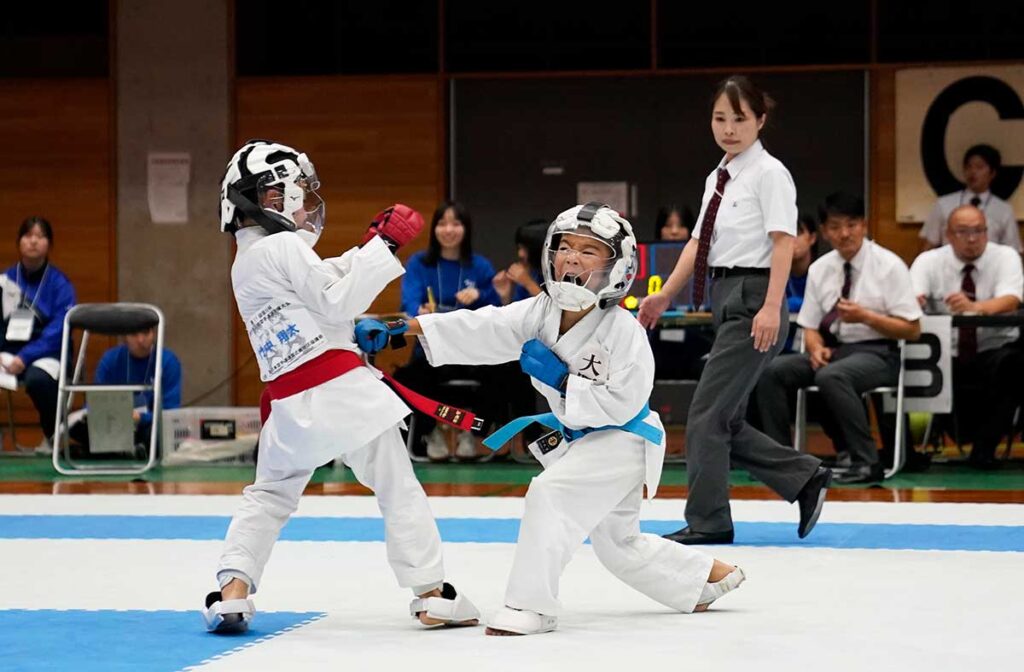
(707, 230)
(968, 344)
(826, 322)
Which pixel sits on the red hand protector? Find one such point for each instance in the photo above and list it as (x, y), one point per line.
(397, 225)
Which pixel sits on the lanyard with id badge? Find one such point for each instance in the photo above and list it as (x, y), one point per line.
(23, 319)
(19, 327)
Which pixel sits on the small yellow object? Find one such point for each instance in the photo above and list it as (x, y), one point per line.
(654, 284)
(632, 302)
(431, 303)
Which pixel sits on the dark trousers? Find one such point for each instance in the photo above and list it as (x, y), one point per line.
(43, 391)
(855, 368)
(986, 392)
(717, 433)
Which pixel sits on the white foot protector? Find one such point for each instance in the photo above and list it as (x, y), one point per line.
(227, 616)
(452, 608)
(521, 621)
(713, 591)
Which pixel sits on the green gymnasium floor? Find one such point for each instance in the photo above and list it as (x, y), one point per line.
(950, 475)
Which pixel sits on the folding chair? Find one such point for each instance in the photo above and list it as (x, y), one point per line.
(899, 451)
(109, 319)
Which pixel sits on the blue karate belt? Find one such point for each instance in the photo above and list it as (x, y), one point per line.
(635, 426)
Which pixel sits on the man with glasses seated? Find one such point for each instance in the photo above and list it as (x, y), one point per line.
(973, 275)
(859, 302)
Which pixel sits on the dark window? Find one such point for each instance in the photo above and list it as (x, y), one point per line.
(320, 37)
(548, 35)
(940, 30)
(45, 40)
(749, 33)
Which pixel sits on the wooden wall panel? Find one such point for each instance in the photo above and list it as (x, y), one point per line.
(374, 141)
(886, 231)
(58, 163)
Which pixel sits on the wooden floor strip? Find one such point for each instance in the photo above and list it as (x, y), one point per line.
(847, 494)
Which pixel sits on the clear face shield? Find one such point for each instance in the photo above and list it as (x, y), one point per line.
(582, 260)
(296, 198)
(577, 267)
(312, 204)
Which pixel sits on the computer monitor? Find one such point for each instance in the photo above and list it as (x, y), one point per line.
(655, 262)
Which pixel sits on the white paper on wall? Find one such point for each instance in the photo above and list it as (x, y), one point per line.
(615, 194)
(168, 175)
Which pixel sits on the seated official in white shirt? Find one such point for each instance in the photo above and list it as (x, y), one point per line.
(981, 163)
(973, 275)
(859, 301)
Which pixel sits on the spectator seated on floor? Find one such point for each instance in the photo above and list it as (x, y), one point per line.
(973, 275)
(132, 363)
(859, 301)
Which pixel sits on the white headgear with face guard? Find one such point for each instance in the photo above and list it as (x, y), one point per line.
(269, 183)
(603, 282)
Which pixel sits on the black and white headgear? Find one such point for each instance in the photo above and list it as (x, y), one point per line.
(259, 166)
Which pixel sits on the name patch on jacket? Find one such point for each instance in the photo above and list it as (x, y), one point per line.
(592, 362)
(282, 334)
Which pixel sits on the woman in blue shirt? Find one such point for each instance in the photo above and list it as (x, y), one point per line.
(36, 296)
(447, 276)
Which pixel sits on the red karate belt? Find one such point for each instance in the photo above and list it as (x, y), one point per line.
(335, 363)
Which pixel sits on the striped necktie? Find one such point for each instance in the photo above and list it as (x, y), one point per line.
(967, 345)
(825, 328)
(707, 230)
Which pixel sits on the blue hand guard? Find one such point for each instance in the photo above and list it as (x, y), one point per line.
(538, 361)
(372, 336)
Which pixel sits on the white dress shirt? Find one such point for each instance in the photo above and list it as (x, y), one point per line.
(999, 217)
(881, 283)
(759, 198)
(997, 272)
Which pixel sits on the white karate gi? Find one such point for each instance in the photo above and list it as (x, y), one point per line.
(354, 416)
(596, 487)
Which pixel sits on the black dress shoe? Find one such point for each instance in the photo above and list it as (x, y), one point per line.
(862, 473)
(688, 536)
(811, 499)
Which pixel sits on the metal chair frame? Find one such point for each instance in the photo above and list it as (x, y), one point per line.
(899, 449)
(67, 388)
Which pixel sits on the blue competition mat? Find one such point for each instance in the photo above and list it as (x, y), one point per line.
(506, 530)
